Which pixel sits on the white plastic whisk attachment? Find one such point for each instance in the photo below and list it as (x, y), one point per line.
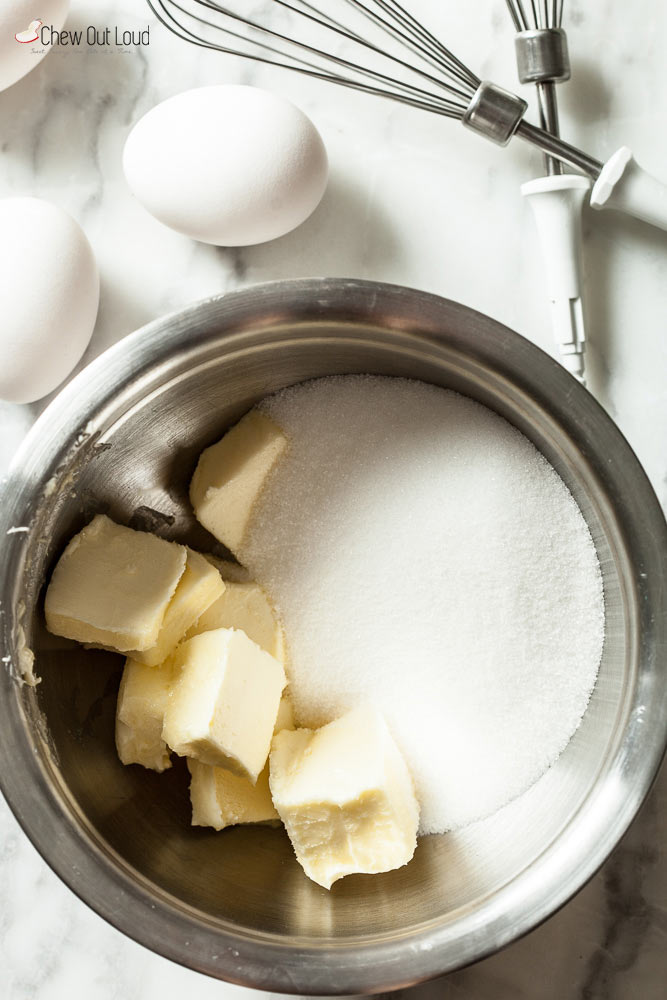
(624, 185)
(543, 59)
(557, 203)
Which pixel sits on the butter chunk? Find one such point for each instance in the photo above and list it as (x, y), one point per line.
(224, 705)
(285, 719)
(221, 799)
(244, 606)
(345, 796)
(142, 700)
(230, 475)
(112, 586)
(230, 571)
(200, 586)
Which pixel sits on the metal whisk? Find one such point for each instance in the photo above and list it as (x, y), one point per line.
(542, 58)
(379, 47)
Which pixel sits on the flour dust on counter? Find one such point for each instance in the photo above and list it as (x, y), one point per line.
(423, 556)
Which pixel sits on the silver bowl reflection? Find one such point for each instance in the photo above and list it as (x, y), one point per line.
(123, 438)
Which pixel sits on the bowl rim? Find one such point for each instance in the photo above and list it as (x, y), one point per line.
(92, 870)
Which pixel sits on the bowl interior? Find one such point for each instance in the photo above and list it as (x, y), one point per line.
(134, 463)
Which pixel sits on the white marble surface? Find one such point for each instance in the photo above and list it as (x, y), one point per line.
(415, 200)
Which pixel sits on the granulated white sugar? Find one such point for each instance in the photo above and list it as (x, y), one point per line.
(426, 558)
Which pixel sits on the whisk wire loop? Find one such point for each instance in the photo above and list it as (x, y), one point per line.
(404, 93)
(435, 80)
(440, 81)
(420, 41)
(455, 66)
(344, 32)
(547, 15)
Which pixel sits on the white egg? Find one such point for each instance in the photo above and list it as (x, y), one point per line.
(21, 22)
(49, 293)
(227, 165)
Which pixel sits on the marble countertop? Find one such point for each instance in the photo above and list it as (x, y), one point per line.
(414, 200)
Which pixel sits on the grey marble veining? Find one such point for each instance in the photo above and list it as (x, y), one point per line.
(417, 201)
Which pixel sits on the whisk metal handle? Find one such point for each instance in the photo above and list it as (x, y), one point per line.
(542, 56)
(555, 146)
(494, 112)
(497, 114)
(546, 95)
(620, 183)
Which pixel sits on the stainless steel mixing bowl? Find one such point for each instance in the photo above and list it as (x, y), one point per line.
(123, 438)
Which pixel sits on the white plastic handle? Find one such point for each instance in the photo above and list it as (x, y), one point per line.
(557, 202)
(625, 186)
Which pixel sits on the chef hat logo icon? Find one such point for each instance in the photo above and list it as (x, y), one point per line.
(31, 34)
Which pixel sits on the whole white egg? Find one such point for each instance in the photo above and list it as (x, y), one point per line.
(49, 293)
(21, 23)
(228, 165)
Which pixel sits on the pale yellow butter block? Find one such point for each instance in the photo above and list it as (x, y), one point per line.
(221, 799)
(244, 606)
(112, 586)
(229, 571)
(204, 794)
(285, 719)
(200, 586)
(142, 700)
(224, 705)
(230, 475)
(346, 797)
